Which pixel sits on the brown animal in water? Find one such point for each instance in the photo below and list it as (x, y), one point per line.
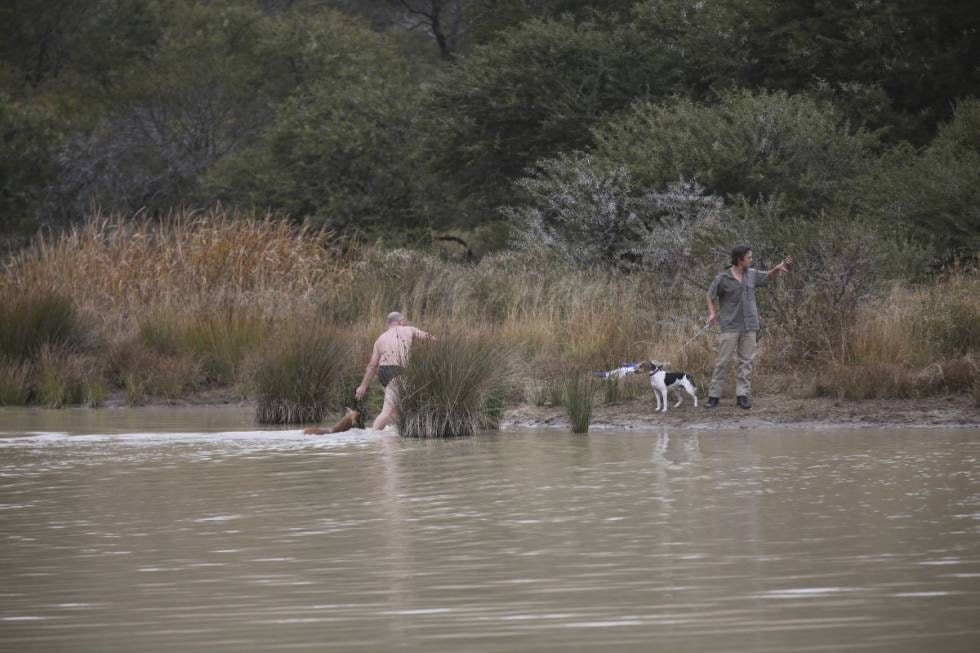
(350, 419)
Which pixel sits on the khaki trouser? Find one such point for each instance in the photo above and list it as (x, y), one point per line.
(730, 344)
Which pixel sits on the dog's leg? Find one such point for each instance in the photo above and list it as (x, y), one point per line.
(661, 391)
(689, 387)
(677, 393)
(656, 392)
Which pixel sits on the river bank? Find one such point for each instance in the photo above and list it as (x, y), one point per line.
(767, 411)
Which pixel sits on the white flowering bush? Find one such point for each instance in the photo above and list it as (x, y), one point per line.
(590, 217)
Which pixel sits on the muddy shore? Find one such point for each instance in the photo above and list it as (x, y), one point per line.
(769, 411)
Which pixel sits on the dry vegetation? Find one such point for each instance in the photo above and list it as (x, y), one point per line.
(158, 311)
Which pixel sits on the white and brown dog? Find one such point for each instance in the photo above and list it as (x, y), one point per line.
(663, 382)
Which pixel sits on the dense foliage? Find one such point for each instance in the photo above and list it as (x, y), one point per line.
(391, 119)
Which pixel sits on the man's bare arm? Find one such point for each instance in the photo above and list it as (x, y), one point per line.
(419, 333)
(368, 373)
(782, 267)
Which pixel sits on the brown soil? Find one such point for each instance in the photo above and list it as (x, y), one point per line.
(767, 412)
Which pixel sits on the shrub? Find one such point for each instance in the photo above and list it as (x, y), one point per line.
(60, 378)
(303, 374)
(935, 191)
(30, 321)
(143, 372)
(594, 219)
(453, 387)
(15, 382)
(221, 339)
(755, 146)
(579, 391)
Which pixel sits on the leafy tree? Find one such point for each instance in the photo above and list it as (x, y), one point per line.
(87, 42)
(589, 218)
(335, 149)
(936, 191)
(535, 92)
(757, 146)
(202, 94)
(28, 139)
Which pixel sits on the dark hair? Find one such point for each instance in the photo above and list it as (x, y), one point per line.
(739, 252)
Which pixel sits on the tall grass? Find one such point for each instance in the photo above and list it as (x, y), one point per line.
(454, 387)
(303, 374)
(15, 382)
(580, 388)
(135, 267)
(914, 342)
(219, 338)
(184, 303)
(31, 321)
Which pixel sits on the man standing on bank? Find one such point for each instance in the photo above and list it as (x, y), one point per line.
(388, 359)
(734, 288)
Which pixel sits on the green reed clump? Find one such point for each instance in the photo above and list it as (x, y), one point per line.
(28, 322)
(454, 387)
(94, 392)
(218, 338)
(15, 382)
(60, 379)
(303, 374)
(144, 372)
(222, 338)
(579, 391)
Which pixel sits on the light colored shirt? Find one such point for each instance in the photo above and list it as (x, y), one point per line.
(393, 345)
(737, 310)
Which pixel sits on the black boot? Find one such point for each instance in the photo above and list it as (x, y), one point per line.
(743, 402)
(712, 402)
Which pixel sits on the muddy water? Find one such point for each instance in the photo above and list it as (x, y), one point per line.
(189, 530)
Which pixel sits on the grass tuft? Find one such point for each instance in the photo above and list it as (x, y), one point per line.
(15, 382)
(29, 322)
(454, 386)
(60, 378)
(303, 374)
(579, 392)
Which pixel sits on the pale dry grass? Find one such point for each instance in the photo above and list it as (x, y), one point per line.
(211, 288)
(116, 265)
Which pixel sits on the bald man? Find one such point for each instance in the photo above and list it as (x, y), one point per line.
(388, 359)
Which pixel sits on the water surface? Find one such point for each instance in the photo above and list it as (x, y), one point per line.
(190, 529)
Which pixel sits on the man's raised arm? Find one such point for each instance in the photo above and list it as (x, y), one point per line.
(782, 267)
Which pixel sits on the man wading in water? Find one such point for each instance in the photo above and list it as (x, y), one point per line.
(735, 291)
(388, 360)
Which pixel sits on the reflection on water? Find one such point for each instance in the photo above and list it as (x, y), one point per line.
(197, 531)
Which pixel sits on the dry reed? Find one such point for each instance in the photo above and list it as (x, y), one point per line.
(196, 294)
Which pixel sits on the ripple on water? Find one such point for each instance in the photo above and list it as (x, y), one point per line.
(256, 540)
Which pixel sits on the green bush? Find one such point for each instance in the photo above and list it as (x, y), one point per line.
(752, 145)
(144, 373)
(303, 374)
(579, 391)
(453, 387)
(219, 339)
(28, 323)
(60, 379)
(16, 378)
(534, 92)
(936, 191)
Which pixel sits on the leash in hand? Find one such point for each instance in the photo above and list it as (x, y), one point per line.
(361, 413)
(696, 335)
